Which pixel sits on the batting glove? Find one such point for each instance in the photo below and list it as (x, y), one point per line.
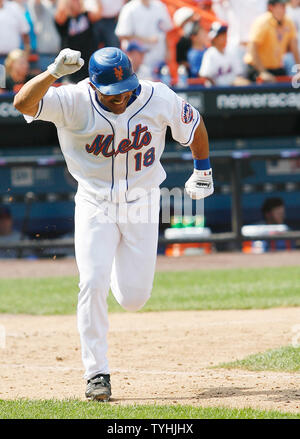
(67, 62)
(200, 184)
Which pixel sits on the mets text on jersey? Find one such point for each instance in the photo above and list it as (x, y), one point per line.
(101, 144)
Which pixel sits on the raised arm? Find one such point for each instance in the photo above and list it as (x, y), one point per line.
(27, 99)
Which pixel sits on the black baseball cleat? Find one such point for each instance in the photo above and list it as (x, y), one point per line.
(98, 388)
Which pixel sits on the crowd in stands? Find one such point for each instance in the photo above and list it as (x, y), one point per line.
(214, 42)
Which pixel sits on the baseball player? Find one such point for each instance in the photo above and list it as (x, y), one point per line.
(111, 128)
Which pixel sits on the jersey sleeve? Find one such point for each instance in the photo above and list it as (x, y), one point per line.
(180, 116)
(56, 106)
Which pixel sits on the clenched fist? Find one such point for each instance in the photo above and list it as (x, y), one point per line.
(67, 62)
(200, 184)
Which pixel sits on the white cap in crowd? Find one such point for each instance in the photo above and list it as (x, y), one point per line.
(182, 14)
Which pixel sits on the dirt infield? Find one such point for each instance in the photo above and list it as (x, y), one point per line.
(161, 358)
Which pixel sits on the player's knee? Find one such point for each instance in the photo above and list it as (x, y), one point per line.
(93, 282)
(135, 300)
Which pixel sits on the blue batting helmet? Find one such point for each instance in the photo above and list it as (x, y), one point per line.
(110, 71)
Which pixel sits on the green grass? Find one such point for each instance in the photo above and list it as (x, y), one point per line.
(285, 359)
(194, 290)
(74, 409)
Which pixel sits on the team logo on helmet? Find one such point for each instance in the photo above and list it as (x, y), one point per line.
(186, 113)
(118, 73)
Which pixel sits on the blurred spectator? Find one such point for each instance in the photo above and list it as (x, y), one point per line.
(200, 42)
(104, 28)
(273, 211)
(136, 53)
(14, 29)
(239, 18)
(273, 223)
(146, 21)
(272, 35)
(17, 70)
(7, 233)
(293, 12)
(48, 41)
(184, 19)
(218, 66)
(74, 23)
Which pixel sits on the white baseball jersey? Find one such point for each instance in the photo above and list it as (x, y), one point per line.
(222, 68)
(111, 155)
(138, 20)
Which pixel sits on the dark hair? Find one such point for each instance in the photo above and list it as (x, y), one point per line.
(273, 2)
(271, 203)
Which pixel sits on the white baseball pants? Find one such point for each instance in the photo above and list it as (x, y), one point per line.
(115, 246)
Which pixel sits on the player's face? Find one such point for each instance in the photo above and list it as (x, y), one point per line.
(220, 41)
(115, 103)
(202, 38)
(278, 10)
(278, 215)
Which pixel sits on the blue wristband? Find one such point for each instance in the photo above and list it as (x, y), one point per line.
(202, 165)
